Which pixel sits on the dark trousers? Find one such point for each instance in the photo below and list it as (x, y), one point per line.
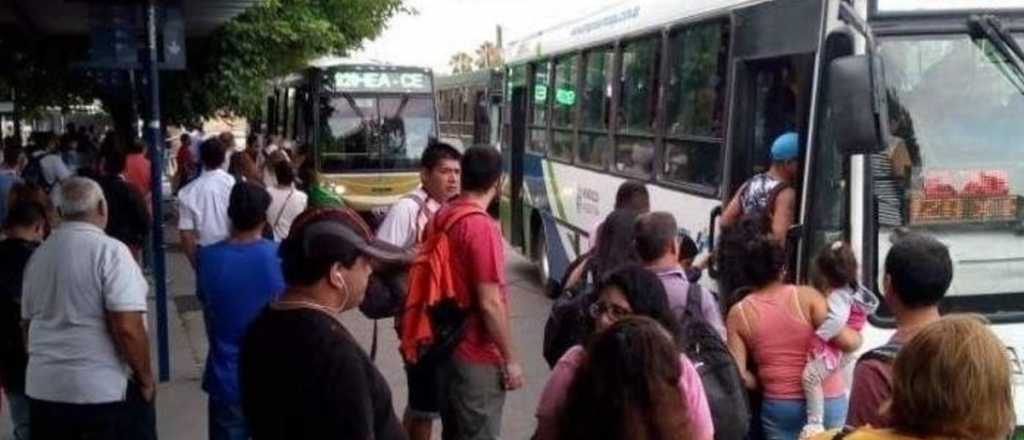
(131, 419)
(226, 421)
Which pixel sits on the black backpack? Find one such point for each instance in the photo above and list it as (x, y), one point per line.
(727, 397)
(33, 172)
(565, 326)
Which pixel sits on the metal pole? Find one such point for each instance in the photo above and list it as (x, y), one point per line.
(152, 131)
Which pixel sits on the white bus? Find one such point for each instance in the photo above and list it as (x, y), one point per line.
(687, 96)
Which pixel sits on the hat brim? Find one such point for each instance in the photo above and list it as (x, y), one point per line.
(318, 231)
(385, 251)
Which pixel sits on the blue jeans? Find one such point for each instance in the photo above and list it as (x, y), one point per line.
(18, 404)
(226, 421)
(784, 418)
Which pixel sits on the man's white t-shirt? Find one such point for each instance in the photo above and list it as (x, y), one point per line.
(72, 280)
(407, 218)
(285, 205)
(54, 169)
(203, 206)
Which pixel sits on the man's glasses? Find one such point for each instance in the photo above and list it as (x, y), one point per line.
(613, 311)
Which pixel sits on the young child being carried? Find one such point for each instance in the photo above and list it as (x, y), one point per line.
(849, 305)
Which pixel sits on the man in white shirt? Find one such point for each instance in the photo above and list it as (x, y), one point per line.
(632, 194)
(203, 203)
(84, 304)
(440, 173)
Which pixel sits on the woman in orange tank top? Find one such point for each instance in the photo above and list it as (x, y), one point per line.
(770, 330)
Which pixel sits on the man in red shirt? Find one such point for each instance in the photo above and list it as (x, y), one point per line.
(186, 163)
(918, 271)
(485, 364)
(137, 168)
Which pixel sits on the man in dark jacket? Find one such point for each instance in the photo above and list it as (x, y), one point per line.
(129, 218)
(24, 228)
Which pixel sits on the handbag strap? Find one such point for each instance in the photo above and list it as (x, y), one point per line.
(283, 207)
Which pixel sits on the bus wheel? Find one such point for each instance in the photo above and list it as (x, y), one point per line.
(540, 256)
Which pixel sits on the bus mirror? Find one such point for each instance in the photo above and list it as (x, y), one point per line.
(855, 114)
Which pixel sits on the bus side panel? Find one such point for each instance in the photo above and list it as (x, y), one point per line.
(575, 200)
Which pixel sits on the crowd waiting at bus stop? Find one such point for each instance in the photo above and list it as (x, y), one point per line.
(639, 348)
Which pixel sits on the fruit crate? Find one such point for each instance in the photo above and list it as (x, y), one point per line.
(964, 209)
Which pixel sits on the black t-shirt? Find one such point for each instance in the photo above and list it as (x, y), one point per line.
(303, 376)
(14, 255)
(128, 218)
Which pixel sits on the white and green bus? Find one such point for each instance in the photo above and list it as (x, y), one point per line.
(909, 114)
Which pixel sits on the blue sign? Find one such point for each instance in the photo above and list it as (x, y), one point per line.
(119, 37)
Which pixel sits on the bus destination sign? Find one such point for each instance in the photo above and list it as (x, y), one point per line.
(932, 6)
(381, 82)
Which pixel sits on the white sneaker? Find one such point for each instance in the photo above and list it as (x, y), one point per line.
(810, 430)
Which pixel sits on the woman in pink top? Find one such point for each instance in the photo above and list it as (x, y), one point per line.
(772, 328)
(629, 291)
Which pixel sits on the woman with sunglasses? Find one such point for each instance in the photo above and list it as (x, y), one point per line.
(628, 291)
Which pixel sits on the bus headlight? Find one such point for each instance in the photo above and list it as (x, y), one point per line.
(339, 189)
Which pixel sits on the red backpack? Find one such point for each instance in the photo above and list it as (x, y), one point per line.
(433, 317)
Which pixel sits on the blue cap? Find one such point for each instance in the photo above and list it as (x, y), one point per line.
(786, 147)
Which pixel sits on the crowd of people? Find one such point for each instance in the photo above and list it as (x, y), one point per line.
(643, 350)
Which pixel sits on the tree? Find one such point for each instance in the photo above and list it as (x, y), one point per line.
(228, 72)
(461, 63)
(270, 40)
(488, 56)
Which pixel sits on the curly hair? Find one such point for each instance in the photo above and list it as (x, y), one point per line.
(627, 387)
(749, 255)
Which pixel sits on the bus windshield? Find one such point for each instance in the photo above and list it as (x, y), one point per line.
(370, 133)
(953, 165)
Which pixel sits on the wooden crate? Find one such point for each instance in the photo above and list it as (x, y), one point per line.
(963, 210)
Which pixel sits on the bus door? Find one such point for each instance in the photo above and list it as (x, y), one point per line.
(514, 152)
(774, 47)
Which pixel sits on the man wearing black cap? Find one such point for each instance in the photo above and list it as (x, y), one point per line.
(303, 375)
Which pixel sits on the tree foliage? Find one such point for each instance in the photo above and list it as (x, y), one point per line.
(488, 56)
(228, 71)
(232, 70)
(461, 62)
(40, 72)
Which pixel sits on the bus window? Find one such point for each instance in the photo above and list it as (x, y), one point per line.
(540, 99)
(634, 152)
(516, 79)
(695, 104)
(369, 133)
(596, 100)
(952, 168)
(564, 107)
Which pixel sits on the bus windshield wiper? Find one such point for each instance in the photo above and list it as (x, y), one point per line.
(1011, 64)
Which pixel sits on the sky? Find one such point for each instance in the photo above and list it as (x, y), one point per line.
(445, 27)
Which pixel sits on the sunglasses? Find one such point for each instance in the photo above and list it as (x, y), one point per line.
(613, 311)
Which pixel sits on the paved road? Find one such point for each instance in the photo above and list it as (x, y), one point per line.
(181, 404)
(529, 311)
(182, 413)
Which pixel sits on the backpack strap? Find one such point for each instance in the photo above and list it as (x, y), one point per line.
(695, 300)
(886, 353)
(422, 204)
(457, 216)
(283, 207)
